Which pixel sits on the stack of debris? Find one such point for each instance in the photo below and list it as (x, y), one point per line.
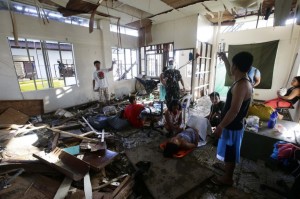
(60, 155)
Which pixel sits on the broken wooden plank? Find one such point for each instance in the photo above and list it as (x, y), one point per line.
(87, 185)
(88, 192)
(126, 191)
(62, 191)
(28, 107)
(68, 127)
(87, 133)
(55, 141)
(31, 166)
(64, 163)
(12, 116)
(73, 135)
(123, 183)
(46, 185)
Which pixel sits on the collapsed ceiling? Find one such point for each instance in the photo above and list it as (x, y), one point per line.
(138, 13)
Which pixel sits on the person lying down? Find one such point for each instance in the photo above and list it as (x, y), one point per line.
(194, 135)
(185, 140)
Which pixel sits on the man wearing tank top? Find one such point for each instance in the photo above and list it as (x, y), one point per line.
(231, 129)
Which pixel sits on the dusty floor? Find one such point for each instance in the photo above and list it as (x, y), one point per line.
(249, 175)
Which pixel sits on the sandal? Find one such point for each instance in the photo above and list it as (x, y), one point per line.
(218, 182)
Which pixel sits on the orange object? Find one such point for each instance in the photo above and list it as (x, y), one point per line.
(181, 153)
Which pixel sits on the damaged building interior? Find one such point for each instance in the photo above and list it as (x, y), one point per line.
(137, 99)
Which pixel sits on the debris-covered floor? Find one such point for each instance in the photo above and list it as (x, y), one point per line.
(58, 155)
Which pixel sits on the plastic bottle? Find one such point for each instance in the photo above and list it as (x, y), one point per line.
(273, 119)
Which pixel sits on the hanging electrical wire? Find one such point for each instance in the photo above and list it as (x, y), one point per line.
(41, 12)
(13, 21)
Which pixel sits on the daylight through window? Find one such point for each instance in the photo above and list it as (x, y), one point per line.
(43, 64)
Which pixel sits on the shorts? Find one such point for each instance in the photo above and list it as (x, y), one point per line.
(103, 94)
(229, 145)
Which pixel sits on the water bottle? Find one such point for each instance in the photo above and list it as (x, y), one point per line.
(273, 119)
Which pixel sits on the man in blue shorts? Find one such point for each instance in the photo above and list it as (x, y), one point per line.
(231, 129)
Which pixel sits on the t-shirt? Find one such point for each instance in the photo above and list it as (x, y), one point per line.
(100, 78)
(253, 72)
(132, 112)
(217, 108)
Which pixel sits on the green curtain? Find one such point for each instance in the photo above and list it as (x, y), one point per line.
(264, 58)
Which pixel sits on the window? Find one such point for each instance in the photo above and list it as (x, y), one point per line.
(251, 24)
(41, 64)
(126, 63)
(154, 57)
(123, 30)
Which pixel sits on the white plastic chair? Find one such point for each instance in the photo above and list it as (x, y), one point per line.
(185, 104)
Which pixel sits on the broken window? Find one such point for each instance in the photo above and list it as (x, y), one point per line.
(126, 63)
(41, 64)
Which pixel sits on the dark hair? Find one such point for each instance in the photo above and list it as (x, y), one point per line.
(96, 62)
(298, 80)
(170, 150)
(132, 98)
(174, 103)
(214, 94)
(243, 61)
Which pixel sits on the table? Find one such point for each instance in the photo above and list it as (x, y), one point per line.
(260, 145)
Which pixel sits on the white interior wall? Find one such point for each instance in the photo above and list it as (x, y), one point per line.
(285, 53)
(183, 32)
(183, 58)
(205, 30)
(87, 48)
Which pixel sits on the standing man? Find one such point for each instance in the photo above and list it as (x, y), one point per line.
(254, 76)
(100, 83)
(231, 129)
(171, 79)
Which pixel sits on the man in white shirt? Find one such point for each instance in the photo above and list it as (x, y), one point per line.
(100, 83)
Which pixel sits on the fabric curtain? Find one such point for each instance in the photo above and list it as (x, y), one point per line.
(264, 58)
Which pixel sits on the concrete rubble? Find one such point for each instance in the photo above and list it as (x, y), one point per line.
(56, 150)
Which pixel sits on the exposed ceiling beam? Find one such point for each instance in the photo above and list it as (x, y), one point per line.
(124, 8)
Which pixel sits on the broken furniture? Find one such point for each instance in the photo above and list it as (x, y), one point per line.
(65, 163)
(154, 114)
(99, 159)
(145, 85)
(28, 107)
(260, 145)
(12, 116)
(5, 180)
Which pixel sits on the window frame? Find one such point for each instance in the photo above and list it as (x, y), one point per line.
(37, 54)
